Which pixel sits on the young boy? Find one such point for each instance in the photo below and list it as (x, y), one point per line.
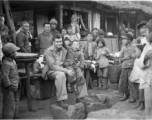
(127, 58)
(89, 47)
(10, 82)
(75, 61)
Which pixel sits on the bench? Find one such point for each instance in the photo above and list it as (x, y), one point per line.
(40, 88)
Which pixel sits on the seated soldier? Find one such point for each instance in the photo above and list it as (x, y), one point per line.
(55, 56)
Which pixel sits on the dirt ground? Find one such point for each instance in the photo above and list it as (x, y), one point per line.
(42, 106)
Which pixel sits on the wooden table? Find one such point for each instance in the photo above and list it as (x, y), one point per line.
(27, 62)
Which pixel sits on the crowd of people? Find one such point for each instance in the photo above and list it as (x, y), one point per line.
(62, 60)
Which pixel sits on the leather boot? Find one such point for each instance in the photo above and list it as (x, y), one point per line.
(142, 106)
(105, 83)
(137, 105)
(62, 105)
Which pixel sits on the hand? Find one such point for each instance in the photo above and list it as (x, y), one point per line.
(70, 73)
(13, 88)
(78, 64)
(148, 55)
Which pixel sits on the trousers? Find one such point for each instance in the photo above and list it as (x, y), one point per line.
(60, 84)
(148, 102)
(10, 103)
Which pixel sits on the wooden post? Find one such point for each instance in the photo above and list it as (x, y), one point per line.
(119, 32)
(136, 22)
(29, 100)
(1, 9)
(10, 20)
(59, 16)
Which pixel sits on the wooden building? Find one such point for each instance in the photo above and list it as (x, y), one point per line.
(106, 15)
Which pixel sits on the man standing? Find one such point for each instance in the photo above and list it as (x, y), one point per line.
(53, 23)
(22, 39)
(55, 57)
(44, 39)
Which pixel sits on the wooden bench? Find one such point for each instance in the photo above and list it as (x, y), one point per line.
(44, 89)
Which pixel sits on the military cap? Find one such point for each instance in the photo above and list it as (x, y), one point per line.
(9, 48)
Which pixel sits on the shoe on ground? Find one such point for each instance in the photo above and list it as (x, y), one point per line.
(17, 117)
(132, 100)
(62, 105)
(84, 100)
(104, 87)
(137, 105)
(141, 107)
(99, 87)
(123, 98)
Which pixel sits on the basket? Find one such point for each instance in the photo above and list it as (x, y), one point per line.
(114, 72)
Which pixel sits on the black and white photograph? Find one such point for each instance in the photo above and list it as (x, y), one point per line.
(76, 59)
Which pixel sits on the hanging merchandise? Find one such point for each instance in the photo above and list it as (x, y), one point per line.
(82, 23)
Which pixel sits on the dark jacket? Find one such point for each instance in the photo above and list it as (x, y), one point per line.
(85, 49)
(22, 41)
(10, 74)
(43, 42)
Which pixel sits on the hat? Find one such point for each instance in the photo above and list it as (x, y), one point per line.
(9, 48)
(149, 25)
(53, 21)
(128, 36)
(140, 24)
(67, 38)
(101, 32)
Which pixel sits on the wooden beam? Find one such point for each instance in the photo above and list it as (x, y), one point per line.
(136, 22)
(10, 20)
(1, 9)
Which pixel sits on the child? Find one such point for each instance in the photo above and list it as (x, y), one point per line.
(75, 62)
(127, 57)
(101, 54)
(89, 47)
(10, 82)
(146, 77)
(70, 34)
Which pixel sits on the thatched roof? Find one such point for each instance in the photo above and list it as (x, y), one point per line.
(126, 6)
